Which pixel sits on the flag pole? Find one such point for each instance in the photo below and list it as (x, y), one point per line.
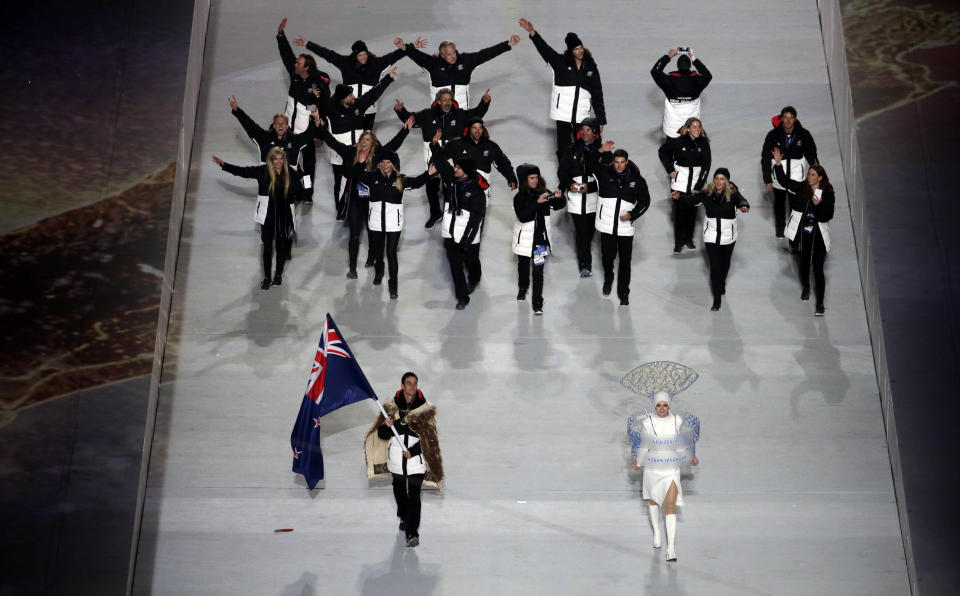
(387, 417)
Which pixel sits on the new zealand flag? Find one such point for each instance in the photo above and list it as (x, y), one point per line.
(335, 381)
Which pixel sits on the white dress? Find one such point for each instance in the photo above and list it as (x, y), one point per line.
(661, 453)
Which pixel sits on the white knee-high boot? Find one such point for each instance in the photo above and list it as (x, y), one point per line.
(670, 521)
(655, 522)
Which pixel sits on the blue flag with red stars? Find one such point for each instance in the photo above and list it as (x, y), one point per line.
(336, 380)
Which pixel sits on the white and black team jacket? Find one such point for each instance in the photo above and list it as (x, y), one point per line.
(805, 217)
(434, 118)
(682, 93)
(575, 91)
(576, 165)
(265, 140)
(619, 194)
(385, 213)
(396, 463)
(532, 227)
(456, 76)
(360, 77)
(690, 158)
(465, 203)
(300, 96)
(798, 148)
(346, 122)
(720, 215)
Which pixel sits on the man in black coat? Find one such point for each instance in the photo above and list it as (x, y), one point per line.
(682, 88)
(446, 116)
(796, 146)
(278, 135)
(475, 143)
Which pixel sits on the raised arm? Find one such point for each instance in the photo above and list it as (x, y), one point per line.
(397, 140)
(739, 200)
(474, 59)
(659, 77)
(341, 61)
(481, 108)
(344, 151)
(366, 100)
(253, 130)
(421, 59)
(286, 52)
(388, 60)
(416, 182)
(241, 171)
(403, 114)
(549, 55)
(705, 75)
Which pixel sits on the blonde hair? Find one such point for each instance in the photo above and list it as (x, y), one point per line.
(727, 188)
(284, 116)
(284, 171)
(399, 183)
(685, 129)
(368, 163)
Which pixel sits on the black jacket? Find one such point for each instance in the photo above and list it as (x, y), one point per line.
(527, 209)
(278, 209)
(681, 86)
(443, 74)
(468, 194)
(716, 205)
(800, 146)
(687, 152)
(610, 184)
(301, 90)
(451, 123)
(580, 159)
(354, 172)
(811, 213)
(266, 140)
(384, 188)
(566, 74)
(351, 71)
(346, 118)
(384, 432)
(484, 153)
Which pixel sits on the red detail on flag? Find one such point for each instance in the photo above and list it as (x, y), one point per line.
(329, 346)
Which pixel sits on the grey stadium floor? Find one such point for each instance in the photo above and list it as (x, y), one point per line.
(793, 494)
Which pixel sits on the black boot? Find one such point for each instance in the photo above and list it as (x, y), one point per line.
(716, 303)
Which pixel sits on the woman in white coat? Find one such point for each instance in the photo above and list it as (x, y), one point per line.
(666, 444)
(531, 232)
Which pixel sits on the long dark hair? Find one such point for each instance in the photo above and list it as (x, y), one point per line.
(539, 189)
(568, 56)
(371, 59)
(806, 192)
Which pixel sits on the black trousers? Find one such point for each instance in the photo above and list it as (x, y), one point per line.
(684, 220)
(433, 197)
(406, 491)
(458, 258)
(612, 247)
(337, 181)
(813, 252)
(779, 210)
(583, 228)
(389, 241)
(357, 222)
(719, 256)
(523, 278)
(565, 136)
(308, 158)
(269, 237)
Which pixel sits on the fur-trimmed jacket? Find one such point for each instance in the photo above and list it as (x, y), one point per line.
(416, 425)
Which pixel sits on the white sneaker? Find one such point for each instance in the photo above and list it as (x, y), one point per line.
(671, 556)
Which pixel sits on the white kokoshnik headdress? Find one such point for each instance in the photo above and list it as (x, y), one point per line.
(657, 381)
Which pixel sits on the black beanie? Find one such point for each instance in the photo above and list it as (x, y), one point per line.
(342, 92)
(468, 166)
(358, 46)
(724, 171)
(386, 154)
(524, 170)
(572, 40)
(592, 123)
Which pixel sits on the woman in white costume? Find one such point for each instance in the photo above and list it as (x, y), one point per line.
(666, 442)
